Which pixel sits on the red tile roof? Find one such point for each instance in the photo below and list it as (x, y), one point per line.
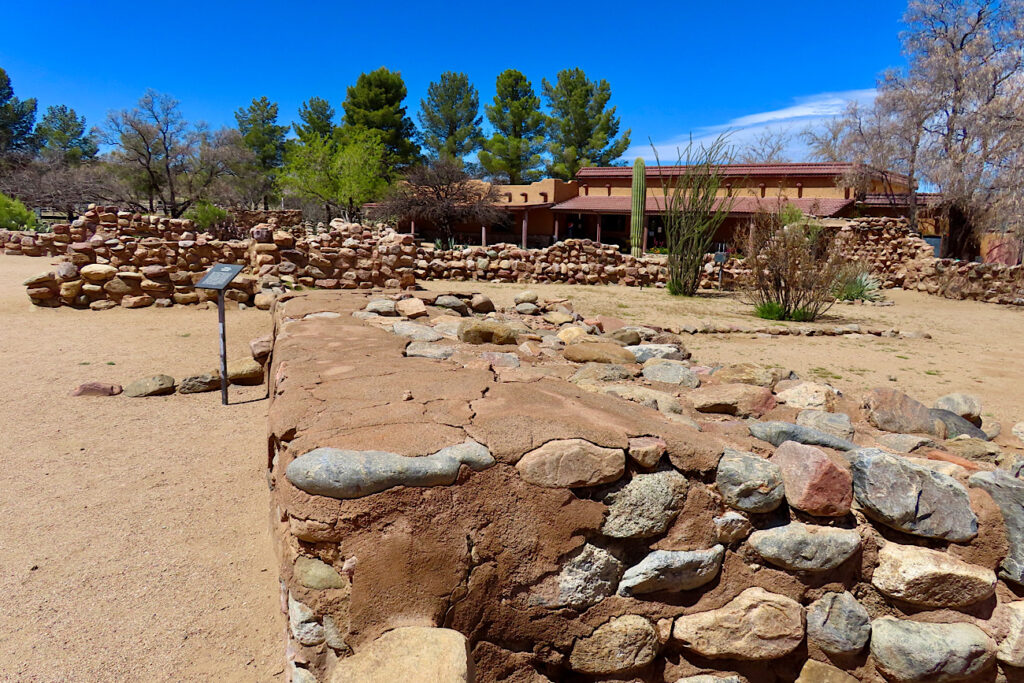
(730, 170)
(741, 205)
(923, 199)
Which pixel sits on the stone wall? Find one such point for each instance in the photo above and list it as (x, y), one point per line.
(537, 496)
(282, 218)
(100, 269)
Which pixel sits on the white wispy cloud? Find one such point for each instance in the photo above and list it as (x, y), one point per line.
(810, 110)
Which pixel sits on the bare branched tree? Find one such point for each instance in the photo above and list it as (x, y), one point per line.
(824, 142)
(443, 194)
(769, 147)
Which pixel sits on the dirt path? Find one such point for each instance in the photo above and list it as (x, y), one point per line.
(976, 347)
(134, 543)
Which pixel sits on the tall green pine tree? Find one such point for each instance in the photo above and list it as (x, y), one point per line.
(17, 118)
(375, 103)
(450, 117)
(317, 117)
(262, 135)
(514, 150)
(62, 134)
(581, 132)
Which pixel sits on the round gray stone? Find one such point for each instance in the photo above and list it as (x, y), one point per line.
(748, 482)
(838, 624)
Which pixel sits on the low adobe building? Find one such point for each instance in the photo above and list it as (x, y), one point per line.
(597, 204)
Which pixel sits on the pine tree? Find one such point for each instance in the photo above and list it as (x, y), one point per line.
(514, 151)
(62, 134)
(17, 118)
(375, 103)
(580, 131)
(450, 117)
(262, 135)
(317, 116)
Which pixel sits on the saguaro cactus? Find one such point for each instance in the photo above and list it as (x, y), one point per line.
(636, 218)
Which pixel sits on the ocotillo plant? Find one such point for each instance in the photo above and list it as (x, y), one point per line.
(636, 225)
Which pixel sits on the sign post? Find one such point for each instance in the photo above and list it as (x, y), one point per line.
(720, 258)
(219, 277)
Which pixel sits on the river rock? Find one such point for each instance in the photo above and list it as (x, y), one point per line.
(245, 372)
(813, 482)
(627, 336)
(96, 272)
(836, 424)
(316, 574)
(838, 624)
(1008, 493)
(481, 304)
(748, 482)
(429, 350)
(338, 473)
(803, 547)
(907, 651)
(452, 303)
(157, 385)
(956, 425)
(527, 296)
(526, 308)
(416, 331)
(911, 498)
(622, 644)
(964, 405)
(930, 578)
(598, 352)
(672, 570)
(570, 463)
(894, 411)
(752, 373)
(755, 625)
(776, 433)
(670, 372)
(644, 506)
(197, 384)
(381, 307)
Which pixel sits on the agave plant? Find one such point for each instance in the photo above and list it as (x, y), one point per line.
(860, 286)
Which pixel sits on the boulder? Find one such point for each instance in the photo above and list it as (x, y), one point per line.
(645, 352)
(571, 463)
(157, 385)
(776, 433)
(381, 307)
(910, 498)
(838, 624)
(907, 651)
(261, 347)
(964, 405)
(742, 400)
(475, 331)
(645, 505)
(97, 389)
(805, 548)
(672, 570)
(481, 304)
(1008, 493)
(816, 672)
(527, 309)
(411, 308)
(409, 653)
(748, 482)
(755, 625)
(245, 372)
(627, 336)
(199, 383)
(557, 318)
(620, 645)
(96, 272)
(836, 424)
(602, 372)
(646, 451)
(894, 411)
(526, 297)
(813, 482)
(670, 372)
(652, 398)
(752, 373)
(809, 395)
(452, 303)
(416, 331)
(598, 352)
(930, 578)
(1011, 646)
(956, 425)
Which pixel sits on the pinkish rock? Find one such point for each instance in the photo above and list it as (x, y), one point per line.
(894, 411)
(609, 324)
(646, 451)
(411, 308)
(568, 463)
(813, 482)
(97, 389)
(742, 400)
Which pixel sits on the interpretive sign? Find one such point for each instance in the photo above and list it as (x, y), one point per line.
(219, 277)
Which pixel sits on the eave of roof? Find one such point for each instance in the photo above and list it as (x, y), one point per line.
(734, 170)
(741, 206)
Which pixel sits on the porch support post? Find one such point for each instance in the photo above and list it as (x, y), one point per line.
(412, 227)
(643, 249)
(599, 228)
(556, 227)
(483, 235)
(526, 218)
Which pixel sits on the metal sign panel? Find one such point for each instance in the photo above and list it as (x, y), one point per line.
(219, 276)
(721, 257)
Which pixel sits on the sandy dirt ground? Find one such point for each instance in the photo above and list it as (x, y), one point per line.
(134, 544)
(975, 347)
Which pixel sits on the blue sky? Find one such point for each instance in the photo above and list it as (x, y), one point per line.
(674, 67)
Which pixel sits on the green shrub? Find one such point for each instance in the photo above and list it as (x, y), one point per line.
(802, 315)
(859, 285)
(14, 215)
(770, 310)
(205, 215)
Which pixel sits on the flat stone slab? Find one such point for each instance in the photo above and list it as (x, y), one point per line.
(931, 578)
(805, 547)
(776, 433)
(911, 651)
(409, 653)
